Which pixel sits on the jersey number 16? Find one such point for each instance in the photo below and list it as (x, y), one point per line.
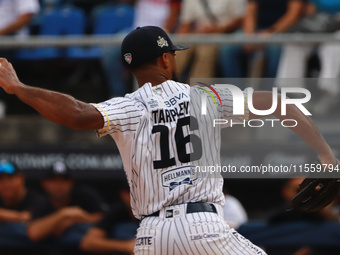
(181, 142)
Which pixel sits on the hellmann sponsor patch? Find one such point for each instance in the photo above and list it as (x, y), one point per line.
(179, 176)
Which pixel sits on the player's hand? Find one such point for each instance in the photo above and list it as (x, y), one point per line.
(94, 217)
(9, 80)
(74, 213)
(25, 216)
(250, 48)
(206, 29)
(266, 33)
(78, 215)
(303, 251)
(328, 160)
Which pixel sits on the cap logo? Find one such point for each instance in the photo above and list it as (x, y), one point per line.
(162, 42)
(128, 58)
(59, 168)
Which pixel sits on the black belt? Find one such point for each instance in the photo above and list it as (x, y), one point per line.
(191, 208)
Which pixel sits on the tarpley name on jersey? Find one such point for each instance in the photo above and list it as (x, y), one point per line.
(169, 115)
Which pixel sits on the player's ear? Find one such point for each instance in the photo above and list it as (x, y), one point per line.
(165, 61)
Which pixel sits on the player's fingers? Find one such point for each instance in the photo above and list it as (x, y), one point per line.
(13, 70)
(11, 66)
(3, 62)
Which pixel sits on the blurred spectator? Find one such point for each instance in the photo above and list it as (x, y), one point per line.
(15, 16)
(157, 17)
(67, 205)
(284, 214)
(17, 203)
(87, 5)
(207, 16)
(48, 5)
(264, 17)
(116, 231)
(111, 62)
(234, 213)
(293, 63)
(172, 20)
(45, 7)
(164, 13)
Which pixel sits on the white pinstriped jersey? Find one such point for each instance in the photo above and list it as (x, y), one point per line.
(151, 130)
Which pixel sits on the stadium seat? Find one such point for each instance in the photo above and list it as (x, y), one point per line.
(108, 20)
(115, 19)
(65, 21)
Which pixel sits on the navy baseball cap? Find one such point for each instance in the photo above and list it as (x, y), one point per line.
(8, 168)
(146, 43)
(59, 168)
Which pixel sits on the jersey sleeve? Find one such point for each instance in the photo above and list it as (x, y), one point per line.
(227, 107)
(120, 115)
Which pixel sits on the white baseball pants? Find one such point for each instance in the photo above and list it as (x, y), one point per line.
(177, 232)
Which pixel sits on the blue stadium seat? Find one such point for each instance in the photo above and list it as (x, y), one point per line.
(65, 21)
(115, 19)
(108, 20)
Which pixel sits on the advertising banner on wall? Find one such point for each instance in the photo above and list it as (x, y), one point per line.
(105, 162)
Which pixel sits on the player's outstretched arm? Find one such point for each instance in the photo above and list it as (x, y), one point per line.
(57, 107)
(306, 128)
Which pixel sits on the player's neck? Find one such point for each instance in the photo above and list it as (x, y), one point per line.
(154, 76)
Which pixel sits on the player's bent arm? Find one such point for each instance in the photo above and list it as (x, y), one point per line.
(57, 107)
(96, 240)
(92, 217)
(14, 216)
(184, 28)
(62, 226)
(249, 22)
(289, 18)
(56, 223)
(305, 128)
(80, 217)
(20, 22)
(44, 227)
(62, 109)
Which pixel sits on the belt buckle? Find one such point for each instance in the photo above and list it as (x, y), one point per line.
(174, 211)
(169, 213)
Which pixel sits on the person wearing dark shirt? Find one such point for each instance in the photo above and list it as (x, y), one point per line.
(265, 17)
(115, 232)
(17, 203)
(67, 205)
